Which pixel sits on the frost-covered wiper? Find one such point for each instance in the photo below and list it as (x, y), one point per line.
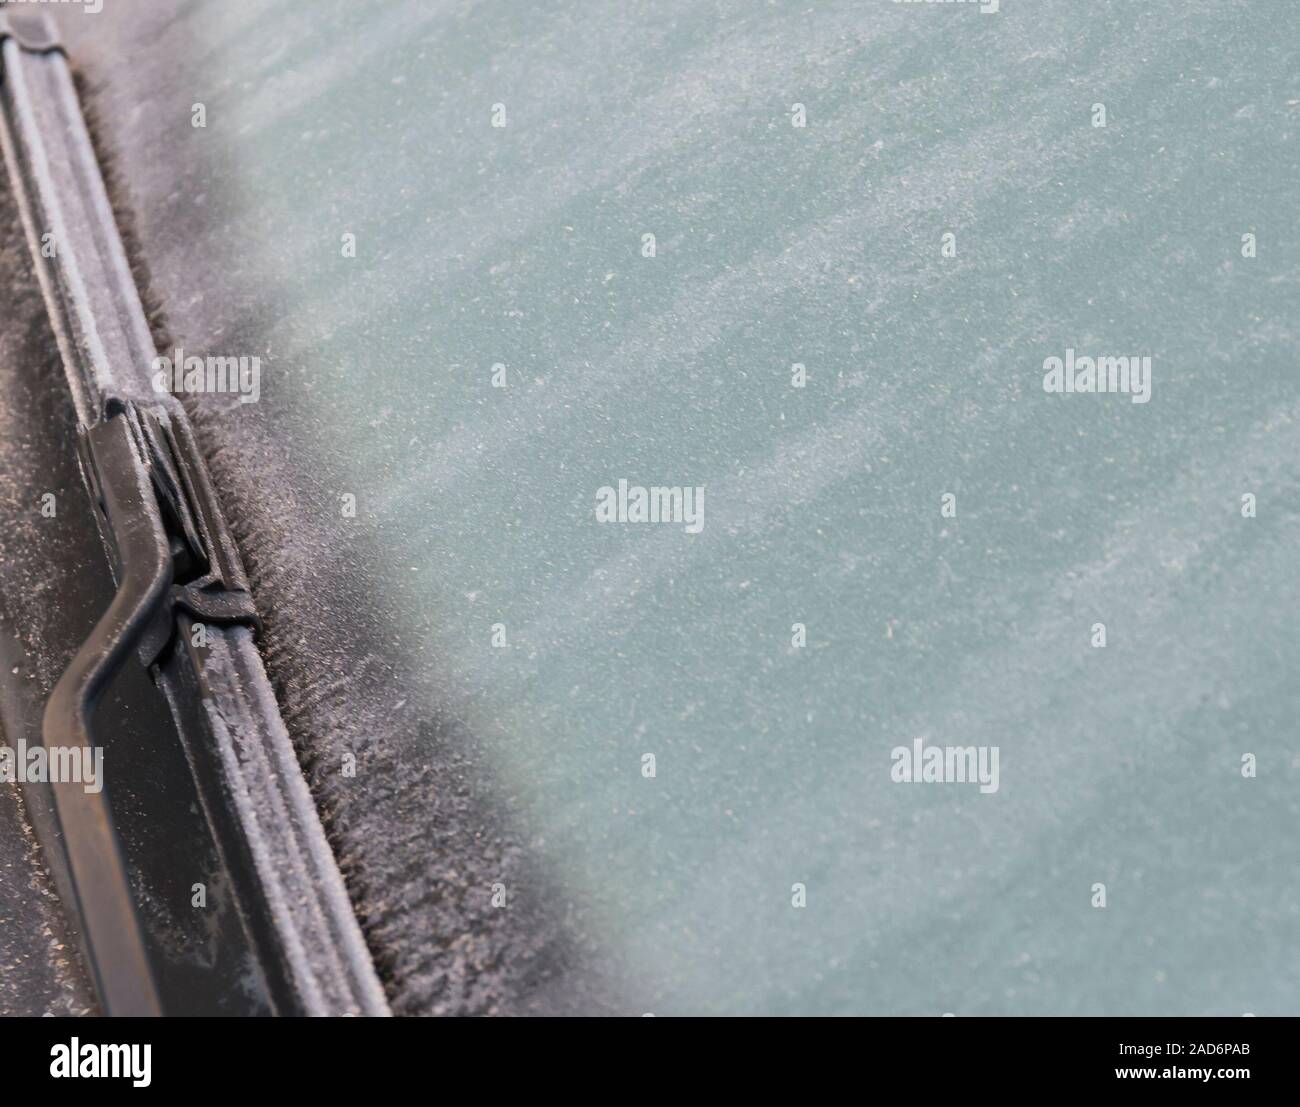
(182, 603)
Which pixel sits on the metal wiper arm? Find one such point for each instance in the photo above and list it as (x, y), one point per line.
(98, 880)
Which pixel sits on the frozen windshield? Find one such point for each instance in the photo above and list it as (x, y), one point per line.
(652, 439)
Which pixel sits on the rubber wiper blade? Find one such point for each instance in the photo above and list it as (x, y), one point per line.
(176, 566)
(94, 304)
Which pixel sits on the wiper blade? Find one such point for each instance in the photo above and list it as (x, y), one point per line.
(176, 566)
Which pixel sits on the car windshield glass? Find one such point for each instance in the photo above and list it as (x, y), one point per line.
(790, 278)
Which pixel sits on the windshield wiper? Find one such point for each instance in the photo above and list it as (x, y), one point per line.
(177, 570)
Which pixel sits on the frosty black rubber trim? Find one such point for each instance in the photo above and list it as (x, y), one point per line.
(176, 565)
